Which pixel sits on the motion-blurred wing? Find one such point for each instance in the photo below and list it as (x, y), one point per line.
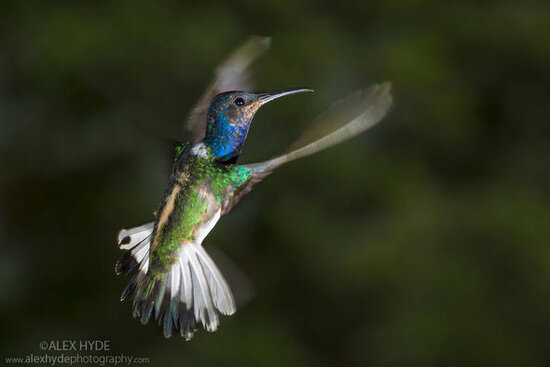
(232, 74)
(344, 120)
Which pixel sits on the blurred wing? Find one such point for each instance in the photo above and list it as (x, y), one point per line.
(232, 74)
(344, 120)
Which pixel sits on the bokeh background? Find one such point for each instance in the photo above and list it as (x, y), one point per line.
(425, 242)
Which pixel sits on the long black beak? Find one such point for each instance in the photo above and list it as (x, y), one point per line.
(270, 96)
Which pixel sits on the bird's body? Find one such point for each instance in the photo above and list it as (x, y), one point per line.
(191, 206)
(172, 274)
(192, 203)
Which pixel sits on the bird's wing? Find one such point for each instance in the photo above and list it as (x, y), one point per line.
(344, 120)
(232, 74)
(236, 192)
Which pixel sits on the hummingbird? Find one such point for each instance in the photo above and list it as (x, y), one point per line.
(173, 279)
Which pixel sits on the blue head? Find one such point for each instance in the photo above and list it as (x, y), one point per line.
(229, 117)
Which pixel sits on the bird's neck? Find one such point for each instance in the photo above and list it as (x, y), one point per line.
(226, 141)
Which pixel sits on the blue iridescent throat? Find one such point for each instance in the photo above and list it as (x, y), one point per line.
(225, 137)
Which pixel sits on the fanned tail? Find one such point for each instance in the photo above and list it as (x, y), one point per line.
(193, 290)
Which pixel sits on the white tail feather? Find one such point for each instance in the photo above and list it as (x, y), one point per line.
(131, 237)
(193, 284)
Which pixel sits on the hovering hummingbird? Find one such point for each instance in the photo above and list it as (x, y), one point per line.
(172, 275)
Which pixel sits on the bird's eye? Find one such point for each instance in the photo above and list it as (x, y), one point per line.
(239, 102)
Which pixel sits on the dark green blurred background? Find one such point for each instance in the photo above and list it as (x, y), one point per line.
(425, 242)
